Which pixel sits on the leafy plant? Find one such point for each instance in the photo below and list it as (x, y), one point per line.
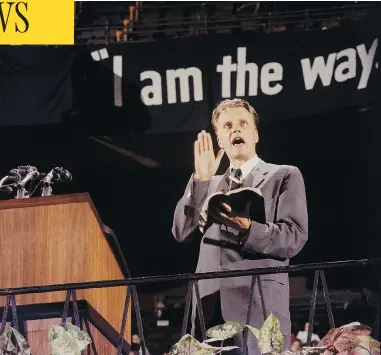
(67, 339)
(270, 338)
(223, 331)
(13, 343)
(350, 339)
(188, 345)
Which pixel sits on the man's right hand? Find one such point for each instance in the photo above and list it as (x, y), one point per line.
(206, 163)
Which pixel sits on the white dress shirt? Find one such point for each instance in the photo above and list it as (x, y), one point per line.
(247, 166)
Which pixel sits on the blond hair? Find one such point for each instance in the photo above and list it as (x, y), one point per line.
(223, 105)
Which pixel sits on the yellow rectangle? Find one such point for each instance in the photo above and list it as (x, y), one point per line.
(37, 22)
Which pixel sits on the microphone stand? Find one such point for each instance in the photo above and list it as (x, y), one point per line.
(47, 190)
(47, 183)
(22, 192)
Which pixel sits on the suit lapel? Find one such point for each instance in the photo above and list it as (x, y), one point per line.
(257, 175)
(223, 184)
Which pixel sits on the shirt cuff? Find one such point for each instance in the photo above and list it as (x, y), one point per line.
(199, 189)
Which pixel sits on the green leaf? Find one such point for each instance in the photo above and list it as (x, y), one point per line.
(224, 331)
(67, 338)
(272, 326)
(188, 345)
(13, 343)
(270, 338)
(187, 339)
(255, 331)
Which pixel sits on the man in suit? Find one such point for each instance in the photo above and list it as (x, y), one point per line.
(235, 242)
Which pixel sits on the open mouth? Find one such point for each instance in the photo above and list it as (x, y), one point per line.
(237, 141)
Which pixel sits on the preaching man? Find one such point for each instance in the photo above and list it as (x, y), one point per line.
(235, 242)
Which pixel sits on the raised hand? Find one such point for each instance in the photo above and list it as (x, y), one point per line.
(205, 162)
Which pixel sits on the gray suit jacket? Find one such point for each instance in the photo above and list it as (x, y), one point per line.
(267, 245)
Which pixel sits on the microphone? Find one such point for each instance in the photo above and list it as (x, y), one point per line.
(8, 182)
(52, 175)
(24, 168)
(14, 179)
(30, 176)
(48, 180)
(6, 189)
(64, 174)
(55, 175)
(15, 172)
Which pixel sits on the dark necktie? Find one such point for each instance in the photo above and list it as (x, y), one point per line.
(235, 179)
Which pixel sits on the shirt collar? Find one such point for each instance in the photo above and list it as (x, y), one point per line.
(248, 166)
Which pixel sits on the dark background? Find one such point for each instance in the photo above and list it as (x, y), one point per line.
(338, 153)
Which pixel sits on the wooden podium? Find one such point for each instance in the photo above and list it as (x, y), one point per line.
(57, 240)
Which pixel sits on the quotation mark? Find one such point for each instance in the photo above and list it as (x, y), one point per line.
(100, 54)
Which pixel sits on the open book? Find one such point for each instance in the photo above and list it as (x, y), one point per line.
(245, 202)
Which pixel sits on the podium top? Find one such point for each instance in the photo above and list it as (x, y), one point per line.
(47, 201)
(108, 233)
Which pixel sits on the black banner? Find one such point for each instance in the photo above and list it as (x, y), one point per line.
(172, 85)
(283, 75)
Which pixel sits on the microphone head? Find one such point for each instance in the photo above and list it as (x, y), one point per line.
(14, 175)
(14, 178)
(30, 176)
(26, 168)
(69, 177)
(34, 174)
(64, 174)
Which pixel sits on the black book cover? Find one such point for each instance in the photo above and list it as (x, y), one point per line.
(245, 202)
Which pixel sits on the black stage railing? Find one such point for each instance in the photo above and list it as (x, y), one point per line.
(192, 278)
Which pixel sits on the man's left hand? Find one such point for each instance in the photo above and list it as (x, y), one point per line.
(242, 224)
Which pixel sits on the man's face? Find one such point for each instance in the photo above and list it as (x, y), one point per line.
(237, 133)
